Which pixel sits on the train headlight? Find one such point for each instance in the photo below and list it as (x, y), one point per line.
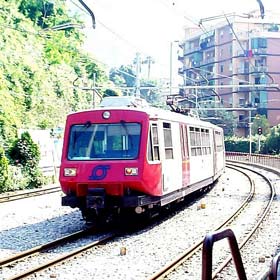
(106, 115)
(70, 172)
(131, 171)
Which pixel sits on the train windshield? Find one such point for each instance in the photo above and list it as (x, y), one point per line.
(104, 141)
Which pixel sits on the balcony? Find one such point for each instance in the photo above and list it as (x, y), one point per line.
(181, 58)
(209, 60)
(259, 51)
(181, 70)
(243, 70)
(256, 70)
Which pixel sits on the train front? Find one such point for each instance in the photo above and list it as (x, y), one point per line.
(103, 158)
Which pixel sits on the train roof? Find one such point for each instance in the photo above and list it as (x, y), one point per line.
(130, 103)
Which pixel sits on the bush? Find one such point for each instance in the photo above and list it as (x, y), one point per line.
(242, 145)
(4, 171)
(26, 153)
(272, 143)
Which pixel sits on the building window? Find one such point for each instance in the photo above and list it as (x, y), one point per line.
(241, 102)
(222, 68)
(241, 118)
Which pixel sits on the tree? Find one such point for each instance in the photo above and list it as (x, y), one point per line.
(123, 76)
(4, 171)
(272, 143)
(260, 121)
(26, 153)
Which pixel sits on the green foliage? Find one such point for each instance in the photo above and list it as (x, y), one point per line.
(110, 92)
(260, 121)
(272, 143)
(26, 153)
(44, 13)
(123, 76)
(222, 118)
(235, 144)
(38, 67)
(4, 171)
(150, 93)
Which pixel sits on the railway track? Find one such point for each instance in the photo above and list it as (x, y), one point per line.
(125, 267)
(27, 194)
(25, 256)
(185, 257)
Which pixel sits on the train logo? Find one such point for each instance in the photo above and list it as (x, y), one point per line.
(99, 172)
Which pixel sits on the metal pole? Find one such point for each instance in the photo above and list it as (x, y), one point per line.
(93, 91)
(170, 68)
(137, 81)
(250, 134)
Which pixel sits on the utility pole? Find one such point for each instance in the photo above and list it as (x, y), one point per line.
(93, 91)
(171, 66)
(149, 60)
(138, 70)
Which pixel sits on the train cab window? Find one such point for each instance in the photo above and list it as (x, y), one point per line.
(153, 143)
(104, 141)
(168, 146)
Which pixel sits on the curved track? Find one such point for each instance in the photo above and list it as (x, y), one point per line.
(189, 253)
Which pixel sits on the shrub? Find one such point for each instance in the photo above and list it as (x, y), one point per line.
(4, 171)
(26, 153)
(242, 145)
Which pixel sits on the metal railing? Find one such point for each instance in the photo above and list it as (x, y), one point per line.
(207, 257)
(266, 160)
(207, 253)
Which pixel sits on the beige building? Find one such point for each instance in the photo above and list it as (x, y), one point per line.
(240, 58)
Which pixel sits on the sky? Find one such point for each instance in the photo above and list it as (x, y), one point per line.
(125, 27)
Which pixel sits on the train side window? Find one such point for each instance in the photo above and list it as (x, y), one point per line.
(153, 143)
(205, 143)
(168, 146)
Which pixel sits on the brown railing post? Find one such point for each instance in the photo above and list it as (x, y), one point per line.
(207, 253)
(274, 268)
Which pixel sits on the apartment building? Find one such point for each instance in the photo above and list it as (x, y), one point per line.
(240, 58)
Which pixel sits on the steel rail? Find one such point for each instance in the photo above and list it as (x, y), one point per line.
(64, 257)
(250, 234)
(187, 254)
(46, 246)
(37, 192)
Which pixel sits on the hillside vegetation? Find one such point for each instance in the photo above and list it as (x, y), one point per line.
(41, 68)
(44, 75)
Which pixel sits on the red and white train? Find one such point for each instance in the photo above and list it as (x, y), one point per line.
(135, 157)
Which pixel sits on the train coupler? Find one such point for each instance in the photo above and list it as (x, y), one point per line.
(95, 198)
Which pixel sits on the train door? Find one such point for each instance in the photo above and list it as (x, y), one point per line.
(214, 152)
(219, 158)
(185, 156)
(172, 158)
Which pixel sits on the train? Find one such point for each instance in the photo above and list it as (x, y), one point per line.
(127, 156)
